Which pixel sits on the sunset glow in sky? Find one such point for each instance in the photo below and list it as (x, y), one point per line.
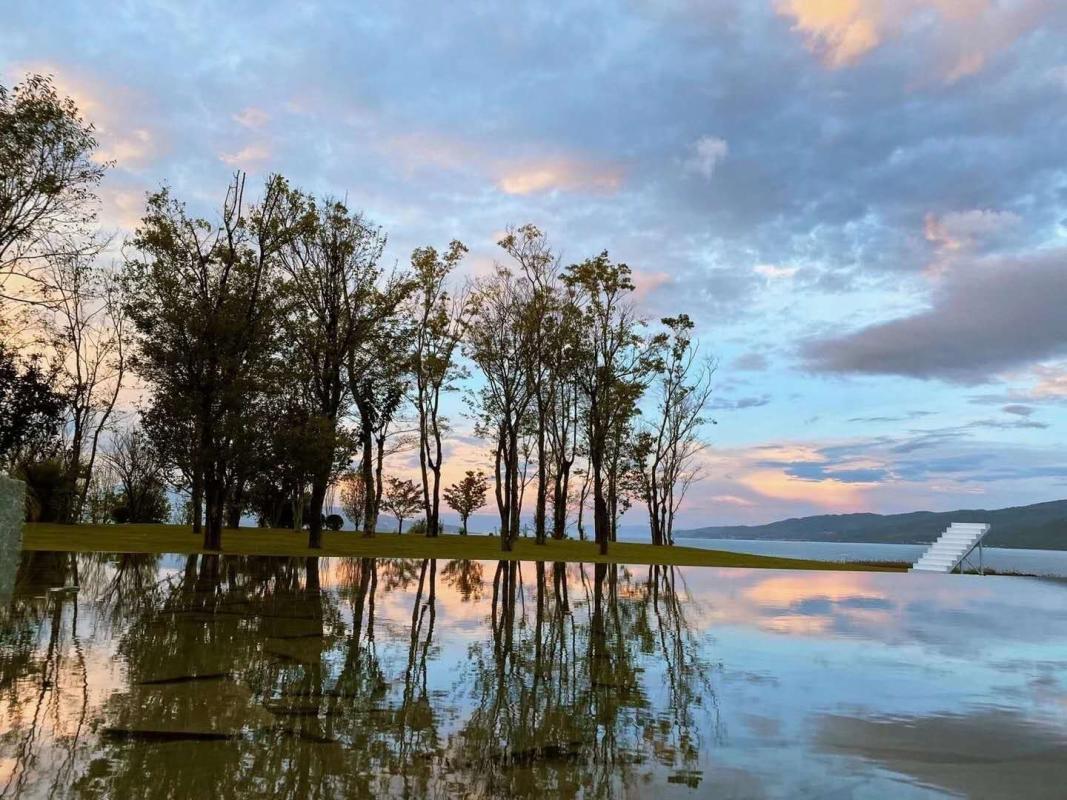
(862, 203)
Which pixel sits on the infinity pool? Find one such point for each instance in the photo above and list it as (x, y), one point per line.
(184, 676)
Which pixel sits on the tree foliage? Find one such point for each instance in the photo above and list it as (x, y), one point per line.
(468, 495)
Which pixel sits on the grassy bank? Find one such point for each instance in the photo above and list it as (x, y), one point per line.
(259, 541)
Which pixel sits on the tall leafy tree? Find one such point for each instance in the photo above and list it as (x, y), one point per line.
(202, 299)
(616, 362)
(82, 318)
(439, 319)
(500, 342)
(529, 248)
(377, 378)
(668, 444)
(331, 280)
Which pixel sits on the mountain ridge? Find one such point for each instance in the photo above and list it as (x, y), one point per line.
(1039, 526)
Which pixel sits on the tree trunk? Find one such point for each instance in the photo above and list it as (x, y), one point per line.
(213, 496)
(370, 515)
(197, 501)
(318, 496)
(542, 474)
(601, 515)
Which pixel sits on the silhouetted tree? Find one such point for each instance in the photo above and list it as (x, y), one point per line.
(402, 498)
(467, 496)
(48, 181)
(439, 322)
(204, 305)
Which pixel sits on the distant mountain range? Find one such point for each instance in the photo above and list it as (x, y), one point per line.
(1042, 526)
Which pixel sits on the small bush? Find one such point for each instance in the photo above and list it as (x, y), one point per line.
(418, 527)
(334, 522)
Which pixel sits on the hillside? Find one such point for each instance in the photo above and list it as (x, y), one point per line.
(1038, 526)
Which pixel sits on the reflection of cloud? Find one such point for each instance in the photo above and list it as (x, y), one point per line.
(977, 754)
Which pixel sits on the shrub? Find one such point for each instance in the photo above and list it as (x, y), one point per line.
(418, 527)
(334, 522)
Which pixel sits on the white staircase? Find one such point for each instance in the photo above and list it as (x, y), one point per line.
(955, 544)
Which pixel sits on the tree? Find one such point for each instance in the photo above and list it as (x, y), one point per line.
(376, 376)
(440, 319)
(334, 522)
(31, 411)
(203, 303)
(529, 248)
(48, 181)
(140, 471)
(616, 360)
(331, 282)
(499, 342)
(402, 498)
(468, 495)
(81, 314)
(668, 445)
(353, 496)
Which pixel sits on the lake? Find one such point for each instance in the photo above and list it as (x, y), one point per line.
(239, 677)
(1001, 559)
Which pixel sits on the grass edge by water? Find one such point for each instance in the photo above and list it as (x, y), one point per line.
(271, 542)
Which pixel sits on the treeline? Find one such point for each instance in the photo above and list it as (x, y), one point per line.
(285, 362)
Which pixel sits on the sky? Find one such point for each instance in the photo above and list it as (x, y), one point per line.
(861, 203)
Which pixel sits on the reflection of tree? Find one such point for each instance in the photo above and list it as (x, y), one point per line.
(560, 708)
(585, 679)
(465, 577)
(44, 689)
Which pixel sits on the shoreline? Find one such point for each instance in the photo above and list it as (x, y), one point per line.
(159, 539)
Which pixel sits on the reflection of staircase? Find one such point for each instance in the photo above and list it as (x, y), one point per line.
(955, 544)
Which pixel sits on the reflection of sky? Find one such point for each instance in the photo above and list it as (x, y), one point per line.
(791, 655)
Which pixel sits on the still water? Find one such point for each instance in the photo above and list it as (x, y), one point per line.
(999, 559)
(184, 676)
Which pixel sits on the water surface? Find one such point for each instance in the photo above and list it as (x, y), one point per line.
(185, 676)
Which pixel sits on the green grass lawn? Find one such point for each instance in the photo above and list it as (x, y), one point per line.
(270, 542)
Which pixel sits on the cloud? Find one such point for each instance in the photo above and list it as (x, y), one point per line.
(750, 362)
(118, 113)
(960, 35)
(909, 416)
(251, 117)
(723, 404)
(840, 32)
(555, 174)
(832, 493)
(993, 316)
(960, 230)
(1018, 410)
(772, 272)
(249, 157)
(708, 152)
(1052, 382)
